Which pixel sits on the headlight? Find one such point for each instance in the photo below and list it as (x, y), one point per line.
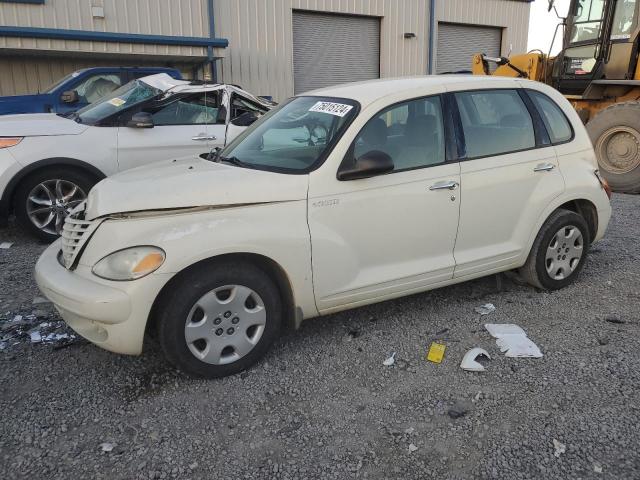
(130, 263)
(6, 142)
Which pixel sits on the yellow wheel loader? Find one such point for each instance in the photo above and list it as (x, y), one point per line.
(598, 71)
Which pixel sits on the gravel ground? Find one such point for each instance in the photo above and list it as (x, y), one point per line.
(322, 405)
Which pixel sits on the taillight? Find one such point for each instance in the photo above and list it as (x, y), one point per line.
(605, 185)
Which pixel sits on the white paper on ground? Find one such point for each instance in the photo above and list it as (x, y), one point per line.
(5, 245)
(513, 340)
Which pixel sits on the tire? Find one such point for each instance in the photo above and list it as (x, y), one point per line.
(198, 303)
(544, 273)
(39, 191)
(615, 134)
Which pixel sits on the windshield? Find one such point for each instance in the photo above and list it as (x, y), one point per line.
(294, 137)
(124, 97)
(51, 88)
(587, 20)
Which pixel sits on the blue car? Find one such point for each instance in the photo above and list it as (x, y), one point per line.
(79, 89)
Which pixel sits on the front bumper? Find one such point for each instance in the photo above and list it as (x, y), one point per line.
(9, 168)
(113, 315)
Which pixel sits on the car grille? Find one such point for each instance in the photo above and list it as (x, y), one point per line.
(75, 233)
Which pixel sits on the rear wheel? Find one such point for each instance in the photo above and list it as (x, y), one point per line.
(220, 319)
(44, 199)
(559, 251)
(615, 134)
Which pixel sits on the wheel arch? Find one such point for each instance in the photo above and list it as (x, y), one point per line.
(272, 268)
(587, 210)
(6, 202)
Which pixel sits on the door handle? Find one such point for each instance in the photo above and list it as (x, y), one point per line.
(445, 185)
(203, 137)
(544, 167)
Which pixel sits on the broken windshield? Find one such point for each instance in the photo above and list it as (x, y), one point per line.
(124, 97)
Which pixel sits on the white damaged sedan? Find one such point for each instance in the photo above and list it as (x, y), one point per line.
(49, 162)
(338, 198)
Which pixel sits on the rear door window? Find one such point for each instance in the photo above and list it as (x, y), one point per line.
(495, 122)
(554, 119)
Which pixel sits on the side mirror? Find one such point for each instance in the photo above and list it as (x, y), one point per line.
(141, 120)
(368, 165)
(246, 119)
(70, 96)
(551, 2)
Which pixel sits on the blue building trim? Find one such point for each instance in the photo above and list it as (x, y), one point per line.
(36, 2)
(91, 36)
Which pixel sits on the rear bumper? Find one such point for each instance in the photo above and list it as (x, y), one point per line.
(113, 315)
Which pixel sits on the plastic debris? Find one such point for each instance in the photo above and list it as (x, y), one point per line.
(106, 446)
(469, 361)
(485, 309)
(436, 352)
(5, 245)
(412, 448)
(513, 340)
(597, 468)
(35, 337)
(559, 447)
(390, 361)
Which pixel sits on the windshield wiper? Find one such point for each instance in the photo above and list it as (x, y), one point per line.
(233, 161)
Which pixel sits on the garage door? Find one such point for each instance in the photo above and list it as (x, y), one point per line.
(458, 43)
(333, 49)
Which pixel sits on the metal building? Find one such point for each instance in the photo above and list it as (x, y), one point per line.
(275, 47)
(282, 47)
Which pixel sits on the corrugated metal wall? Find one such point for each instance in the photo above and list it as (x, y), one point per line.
(158, 17)
(26, 74)
(512, 15)
(260, 53)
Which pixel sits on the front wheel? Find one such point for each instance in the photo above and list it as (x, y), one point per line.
(44, 199)
(219, 319)
(559, 251)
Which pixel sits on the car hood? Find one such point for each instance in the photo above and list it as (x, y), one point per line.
(38, 124)
(23, 104)
(190, 183)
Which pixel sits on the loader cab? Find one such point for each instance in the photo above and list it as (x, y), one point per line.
(600, 43)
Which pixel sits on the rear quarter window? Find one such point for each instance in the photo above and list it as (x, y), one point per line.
(553, 117)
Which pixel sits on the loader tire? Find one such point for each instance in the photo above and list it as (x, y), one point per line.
(615, 134)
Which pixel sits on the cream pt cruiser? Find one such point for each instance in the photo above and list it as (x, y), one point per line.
(337, 198)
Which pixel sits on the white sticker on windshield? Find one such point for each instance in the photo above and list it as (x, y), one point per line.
(337, 109)
(117, 102)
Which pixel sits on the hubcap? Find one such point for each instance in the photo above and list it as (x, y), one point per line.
(49, 203)
(564, 252)
(225, 324)
(618, 150)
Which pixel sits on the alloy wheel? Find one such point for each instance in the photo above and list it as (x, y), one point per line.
(49, 203)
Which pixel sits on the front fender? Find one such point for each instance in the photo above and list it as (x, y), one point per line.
(277, 231)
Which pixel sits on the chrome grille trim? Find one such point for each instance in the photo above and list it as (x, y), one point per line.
(75, 233)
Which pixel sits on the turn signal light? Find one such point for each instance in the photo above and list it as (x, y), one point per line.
(6, 142)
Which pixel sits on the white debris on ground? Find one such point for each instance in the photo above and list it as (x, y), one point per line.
(559, 448)
(513, 340)
(469, 361)
(412, 448)
(106, 446)
(485, 309)
(5, 245)
(390, 361)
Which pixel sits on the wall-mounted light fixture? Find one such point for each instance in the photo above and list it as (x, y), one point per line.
(409, 35)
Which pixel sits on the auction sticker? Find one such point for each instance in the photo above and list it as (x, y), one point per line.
(337, 109)
(117, 102)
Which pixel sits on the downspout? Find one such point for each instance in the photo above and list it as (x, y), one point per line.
(432, 29)
(212, 34)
